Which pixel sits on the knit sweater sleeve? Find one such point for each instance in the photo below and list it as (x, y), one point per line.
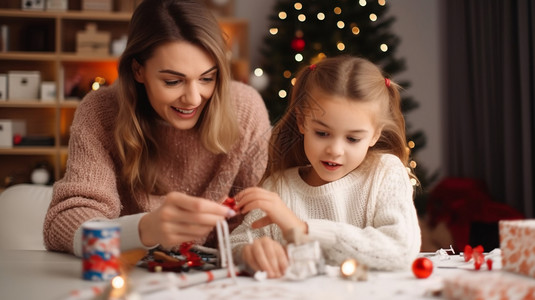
(390, 239)
(88, 189)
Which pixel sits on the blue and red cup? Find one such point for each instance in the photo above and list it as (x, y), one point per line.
(101, 250)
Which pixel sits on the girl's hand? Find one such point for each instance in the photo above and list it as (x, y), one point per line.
(180, 218)
(265, 254)
(276, 211)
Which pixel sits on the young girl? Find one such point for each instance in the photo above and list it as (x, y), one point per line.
(337, 171)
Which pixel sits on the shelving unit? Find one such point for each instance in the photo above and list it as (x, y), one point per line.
(55, 56)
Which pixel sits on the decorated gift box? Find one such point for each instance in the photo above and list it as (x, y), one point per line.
(517, 242)
(488, 285)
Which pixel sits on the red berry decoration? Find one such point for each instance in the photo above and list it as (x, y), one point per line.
(489, 264)
(467, 252)
(231, 203)
(422, 267)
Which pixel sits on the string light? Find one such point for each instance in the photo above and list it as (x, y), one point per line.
(383, 47)
(117, 282)
(298, 6)
(341, 46)
(320, 16)
(97, 83)
(317, 58)
(337, 10)
(282, 94)
(298, 57)
(258, 72)
(340, 24)
(382, 2)
(373, 17)
(293, 81)
(362, 3)
(273, 31)
(287, 74)
(282, 15)
(301, 17)
(355, 29)
(411, 144)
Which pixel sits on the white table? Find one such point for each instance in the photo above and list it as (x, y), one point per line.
(47, 275)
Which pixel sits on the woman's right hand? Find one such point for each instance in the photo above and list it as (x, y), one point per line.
(181, 218)
(266, 254)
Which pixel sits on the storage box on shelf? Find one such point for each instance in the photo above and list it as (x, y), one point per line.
(45, 41)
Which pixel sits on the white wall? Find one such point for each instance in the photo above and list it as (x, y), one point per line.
(417, 25)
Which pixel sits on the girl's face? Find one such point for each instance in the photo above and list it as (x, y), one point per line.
(337, 134)
(180, 78)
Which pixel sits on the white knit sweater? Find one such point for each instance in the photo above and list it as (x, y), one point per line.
(368, 215)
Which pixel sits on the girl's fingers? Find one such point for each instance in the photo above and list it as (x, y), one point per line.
(250, 194)
(283, 259)
(249, 258)
(261, 260)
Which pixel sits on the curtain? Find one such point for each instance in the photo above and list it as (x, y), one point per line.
(489, 96)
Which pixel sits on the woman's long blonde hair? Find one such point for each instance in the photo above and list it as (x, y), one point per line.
(352, 78)
(153, 23)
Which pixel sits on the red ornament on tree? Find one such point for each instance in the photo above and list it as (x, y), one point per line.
(298, 44)
(422, 267)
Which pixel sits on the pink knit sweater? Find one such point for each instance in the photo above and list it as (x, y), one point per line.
(91, 188)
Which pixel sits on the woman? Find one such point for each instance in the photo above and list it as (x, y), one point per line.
(162, 147)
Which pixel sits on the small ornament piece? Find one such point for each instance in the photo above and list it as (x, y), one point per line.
(422, 267)
(192, 258)
(305, 257)
(478, 256)
(231, 203)
(443, 254)
(467, 254)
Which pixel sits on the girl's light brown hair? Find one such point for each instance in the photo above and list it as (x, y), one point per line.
(352, 78)
(153, 23)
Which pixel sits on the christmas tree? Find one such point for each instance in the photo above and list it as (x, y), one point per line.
(302, 33)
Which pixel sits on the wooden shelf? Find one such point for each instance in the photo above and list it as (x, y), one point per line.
(73, 15)
(30, 103)
(57, 60)
(23, 150)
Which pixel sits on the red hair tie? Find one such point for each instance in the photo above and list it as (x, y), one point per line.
(387, 82)
(312, 67)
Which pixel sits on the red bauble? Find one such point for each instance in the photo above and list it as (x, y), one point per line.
(422, 267)
(298, 44)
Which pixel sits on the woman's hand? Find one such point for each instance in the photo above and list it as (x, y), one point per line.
(181, 218)
(276, 211)
(265, 254)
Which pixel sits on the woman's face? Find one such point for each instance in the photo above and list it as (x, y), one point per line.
(337, 135)
(180, 79)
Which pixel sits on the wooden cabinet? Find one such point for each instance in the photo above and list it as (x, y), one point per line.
(45, 41)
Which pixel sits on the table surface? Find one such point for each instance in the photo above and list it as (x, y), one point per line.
(48, 275)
